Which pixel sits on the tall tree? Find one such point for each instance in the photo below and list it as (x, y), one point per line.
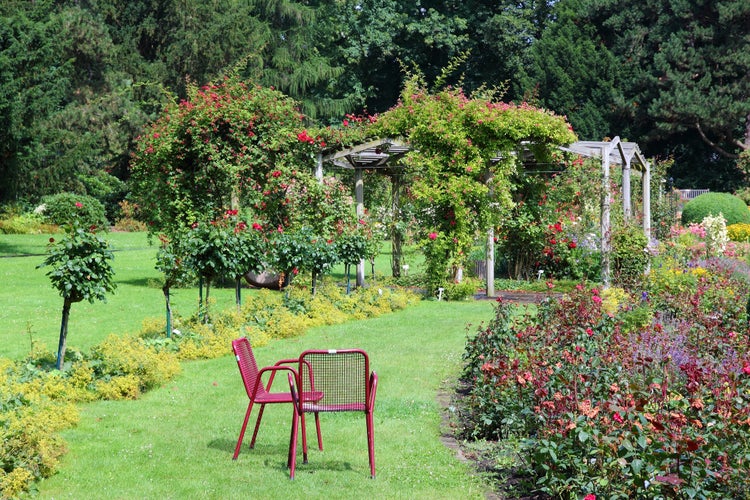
(685, 75)
(573, 73)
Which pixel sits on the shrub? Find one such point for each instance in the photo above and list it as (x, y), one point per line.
(731, 207)
(127, 220)
(62, 207)
(25, 224)
(128, 355)
(739, 232)
(632, 405)
(630, 255)
(461, 290)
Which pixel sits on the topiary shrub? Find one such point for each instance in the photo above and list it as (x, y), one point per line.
(731, 207)
(60, 208)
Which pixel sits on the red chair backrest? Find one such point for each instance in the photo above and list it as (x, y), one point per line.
(341, 375)
(248, 366)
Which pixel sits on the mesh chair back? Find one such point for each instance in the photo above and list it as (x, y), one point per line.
(342, 377)
(247, 365)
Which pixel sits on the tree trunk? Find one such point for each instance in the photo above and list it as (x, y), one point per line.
(165, 290)
(62, 344)
(206, 318)
(238, 292)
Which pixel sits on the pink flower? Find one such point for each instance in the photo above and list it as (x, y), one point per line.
(79, 204)
(257, 226)
(346, 123)
(589, 332)
(276, 173)
(590, 496)
(596, 299)
(617, 417)
(432, 236)
(746, 368)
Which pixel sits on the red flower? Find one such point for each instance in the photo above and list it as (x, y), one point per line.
(346, 123)
(572, 245)
(432, 236)
(589, 332)
(745, 368)
(617, 418)
(257, 226)
(590, 496)
(79, 204)
(276, 173)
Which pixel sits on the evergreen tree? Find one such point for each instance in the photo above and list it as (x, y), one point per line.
(573, 73)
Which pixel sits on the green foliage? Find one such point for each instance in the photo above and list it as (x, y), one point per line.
(630, 255)
(457, 187)
(566, 62)
(61, 208)
(228, 141)
(731, 207)
(80, 264)
(593, 383)
(462, 290)
(25, 224)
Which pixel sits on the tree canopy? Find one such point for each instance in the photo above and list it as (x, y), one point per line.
(81, 79)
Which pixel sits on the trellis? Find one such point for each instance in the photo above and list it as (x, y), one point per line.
(387, 154)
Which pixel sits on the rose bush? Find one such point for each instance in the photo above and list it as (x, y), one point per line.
(647, 399)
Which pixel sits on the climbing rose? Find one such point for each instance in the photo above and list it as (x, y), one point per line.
(432, 236)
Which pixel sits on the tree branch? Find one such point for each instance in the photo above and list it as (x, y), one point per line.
(723, 152)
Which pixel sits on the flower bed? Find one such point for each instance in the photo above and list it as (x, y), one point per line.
(619, 395)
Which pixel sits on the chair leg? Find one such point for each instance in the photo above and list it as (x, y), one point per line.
(371, 443)
(304, 439)
(291, 461)
(257, 426)
(242, 431)
(317, 428)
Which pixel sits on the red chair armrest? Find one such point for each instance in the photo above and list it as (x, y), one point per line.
(272, 369)
(373, 389)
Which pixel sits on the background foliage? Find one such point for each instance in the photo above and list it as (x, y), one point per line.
(80, 79)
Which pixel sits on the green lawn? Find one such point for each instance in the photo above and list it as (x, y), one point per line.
(177, 441)
(31, 308)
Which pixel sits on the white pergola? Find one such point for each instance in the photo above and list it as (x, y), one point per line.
(387, 154)
(628, 155)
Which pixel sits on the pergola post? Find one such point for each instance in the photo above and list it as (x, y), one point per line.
(319, 167)
(359, 194)
(646, 199)
(626, 200)
(606, 201)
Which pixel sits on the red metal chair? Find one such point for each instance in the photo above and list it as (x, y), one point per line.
(344, 379)
(252, 378)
